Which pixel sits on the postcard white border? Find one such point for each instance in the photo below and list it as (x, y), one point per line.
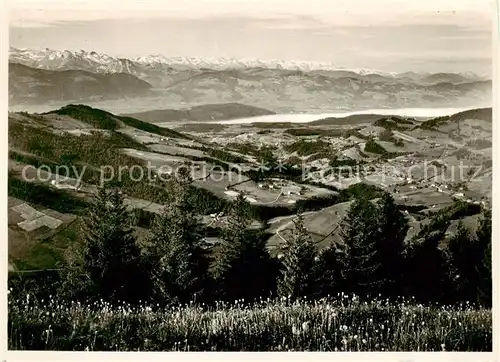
(244, 356)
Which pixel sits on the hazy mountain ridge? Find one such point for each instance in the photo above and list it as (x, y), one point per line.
(100, 62)
(31, 85)
(278, 86)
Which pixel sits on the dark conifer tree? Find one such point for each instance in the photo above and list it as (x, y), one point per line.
(175, 252)
(359, 232)
(484, 238)
(426, 272)
(74, 281)
(243, 268)
(328, 271)
(112, 257)
(299, 254)
(465, 258)
(390, 244)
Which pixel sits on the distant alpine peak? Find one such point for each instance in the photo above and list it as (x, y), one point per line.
(33, 54)
(24, 55)
(100, 62)
(235, 63)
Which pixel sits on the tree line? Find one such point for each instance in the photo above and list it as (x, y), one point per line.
(174, 264)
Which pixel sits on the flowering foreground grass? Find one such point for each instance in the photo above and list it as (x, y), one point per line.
(343, 324)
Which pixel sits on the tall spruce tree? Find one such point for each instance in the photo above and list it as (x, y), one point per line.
(328, 273)
(112, 257)
(427, 272)
(243, 269)
(390, 244)
(175, 252)
(74, 281)
(359, 232)
(298, 261)
(484, 238)
(465, 256)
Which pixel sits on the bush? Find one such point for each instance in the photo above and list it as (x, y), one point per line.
(398, 142)
(303, 132)
(386, 135)
(374, 147)
(355, 133)
(393, 123)
(317, 202)
(306, 148)
(360, 189)
(335, 162)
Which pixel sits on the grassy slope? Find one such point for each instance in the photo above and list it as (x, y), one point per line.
(46, 196)
(95, 150)
(47, 253)
(105, 120)
(374, 147)
(480, 113)
(343, 324)
(29, 253)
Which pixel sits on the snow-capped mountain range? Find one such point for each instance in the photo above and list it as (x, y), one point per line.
(104, 63)
(38, 76)
(62, 60)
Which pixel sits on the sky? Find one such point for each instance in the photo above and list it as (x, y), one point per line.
(388, 35)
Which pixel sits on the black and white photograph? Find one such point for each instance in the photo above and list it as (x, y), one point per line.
(254, 176)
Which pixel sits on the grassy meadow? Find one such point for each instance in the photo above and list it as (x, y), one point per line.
(341, 324)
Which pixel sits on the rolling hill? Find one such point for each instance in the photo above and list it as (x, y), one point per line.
(208, 112)
(105, 120)
(349, 120)
(483, 114)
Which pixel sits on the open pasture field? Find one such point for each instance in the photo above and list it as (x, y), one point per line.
(280, 195)
(156, 159)
(176, 150)
(428, 197)
(140, 135)
(37, 222)
(322, 226)
(218, 182)
(195, 127)
(34, 234)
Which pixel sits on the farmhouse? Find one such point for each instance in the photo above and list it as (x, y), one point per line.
(291, 190)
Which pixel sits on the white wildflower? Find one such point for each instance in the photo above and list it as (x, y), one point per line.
(305, 326)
